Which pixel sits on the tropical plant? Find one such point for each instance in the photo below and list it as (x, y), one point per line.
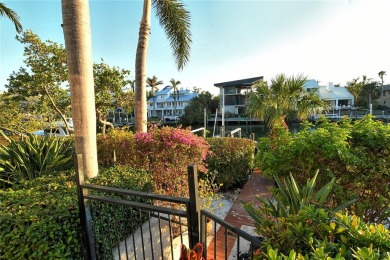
(284, 99)
(176, 21)
(153, 83)
(5, 11)
(355, 152)
(299, 223)
(176, 93)
(33, 156)
(77, 34)
(290, 199)
(193, 254)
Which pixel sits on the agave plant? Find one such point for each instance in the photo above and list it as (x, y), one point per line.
(292, 198)
(33, 156)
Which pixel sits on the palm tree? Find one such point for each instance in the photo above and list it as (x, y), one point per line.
(132, 85)
(381, 74)
(5, 11)
(175, 92)
(77, 34)
(176, 21)
(153, 83)
(285, 98)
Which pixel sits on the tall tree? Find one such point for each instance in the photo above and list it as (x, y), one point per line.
(77, 34)
(5, 11)
(176, 21)
(44, 75)
(109, 85)
(284, 99)
(153, 83)
(381, 74)
(176, 93)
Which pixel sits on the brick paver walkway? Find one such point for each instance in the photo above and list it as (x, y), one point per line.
(257, 185)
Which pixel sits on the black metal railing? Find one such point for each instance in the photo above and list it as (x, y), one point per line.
(242, 245)
(125, 224)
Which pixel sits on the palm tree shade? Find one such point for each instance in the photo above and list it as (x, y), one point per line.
(5, 11)
(285, 98)
(153, 83)
(175, 20)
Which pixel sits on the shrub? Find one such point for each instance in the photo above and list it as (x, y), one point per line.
(169, 151)
(298, 223)
(355, 153)
(39, 218)
(232, 158)
(33, 156)
(120, 141)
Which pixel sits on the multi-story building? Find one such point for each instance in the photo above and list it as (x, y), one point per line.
(163, 102)
(233, 94)
(385, 98)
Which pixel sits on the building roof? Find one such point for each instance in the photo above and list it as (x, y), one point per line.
(335, 93)
(240, 82)
(183, 98)
(164, 91)
(311, 83)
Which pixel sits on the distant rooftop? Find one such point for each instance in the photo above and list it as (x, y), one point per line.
(240, 82)
(311, 83)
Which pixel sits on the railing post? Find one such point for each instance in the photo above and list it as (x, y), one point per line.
(84, 212)
(194, 212)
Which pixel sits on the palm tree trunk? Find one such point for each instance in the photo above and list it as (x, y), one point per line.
(140, 69)
(77, 34)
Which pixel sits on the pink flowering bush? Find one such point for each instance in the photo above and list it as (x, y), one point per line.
(168, 152)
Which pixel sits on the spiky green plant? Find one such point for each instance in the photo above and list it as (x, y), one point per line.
(291, 199)
(33, 156)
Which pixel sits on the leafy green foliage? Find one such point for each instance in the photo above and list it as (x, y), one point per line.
(33, 156)
(39, 218)
(232, 159)
(355, 153)
(285, 98)
(194, 112)
(298, 225)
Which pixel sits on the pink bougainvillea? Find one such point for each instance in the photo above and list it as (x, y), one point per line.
(169, 151)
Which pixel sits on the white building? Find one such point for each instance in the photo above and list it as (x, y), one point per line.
(338, 97)
(163, 103)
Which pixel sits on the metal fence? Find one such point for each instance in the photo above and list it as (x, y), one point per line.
(125, 224)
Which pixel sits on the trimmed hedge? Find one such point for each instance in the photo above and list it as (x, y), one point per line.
(232, 158)
(39, 218)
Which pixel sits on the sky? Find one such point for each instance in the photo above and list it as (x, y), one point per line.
(326, 40)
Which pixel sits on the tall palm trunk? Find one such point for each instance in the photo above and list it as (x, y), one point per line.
(140, 69)
(77, 33)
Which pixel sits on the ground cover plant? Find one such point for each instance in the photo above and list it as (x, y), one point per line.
(39, 218)
(356, 153)
(299, 224)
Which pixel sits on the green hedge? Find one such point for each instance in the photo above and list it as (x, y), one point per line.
(356, 153)
(39, 218)
(232, 159)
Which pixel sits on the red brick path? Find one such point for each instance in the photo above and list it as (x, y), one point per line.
(257, 185)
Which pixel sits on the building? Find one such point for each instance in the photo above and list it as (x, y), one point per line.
(385, 99)
(163, 102)
(233, 94)
(338, 97)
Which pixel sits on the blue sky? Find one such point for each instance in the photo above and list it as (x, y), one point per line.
(330, 41)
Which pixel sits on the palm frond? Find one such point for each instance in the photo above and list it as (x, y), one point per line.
(5, 11)
(175, 20)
